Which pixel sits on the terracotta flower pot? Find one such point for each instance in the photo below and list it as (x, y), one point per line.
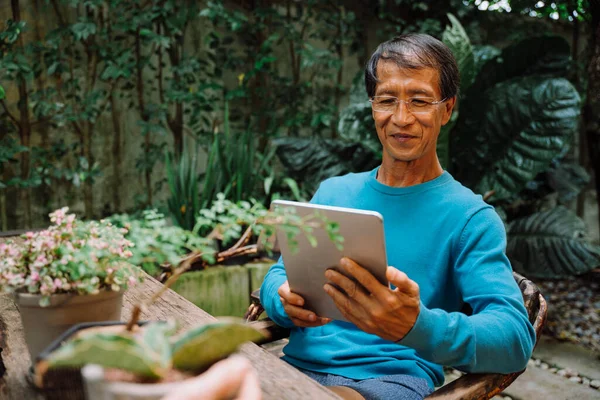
(44, 324)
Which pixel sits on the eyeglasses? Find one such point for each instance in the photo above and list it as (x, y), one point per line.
(416, 105)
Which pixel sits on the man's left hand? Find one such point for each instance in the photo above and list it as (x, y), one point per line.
(371, 306)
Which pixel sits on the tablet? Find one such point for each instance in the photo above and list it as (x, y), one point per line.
(364, 242)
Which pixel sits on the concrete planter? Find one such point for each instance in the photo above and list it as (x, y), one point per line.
(44, 324)
(222, 290)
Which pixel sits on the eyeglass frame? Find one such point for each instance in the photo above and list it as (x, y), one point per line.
(398, 101)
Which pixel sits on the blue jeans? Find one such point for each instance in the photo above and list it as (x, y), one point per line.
(397, 387)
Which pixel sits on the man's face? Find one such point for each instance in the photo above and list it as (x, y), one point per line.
(407, 136)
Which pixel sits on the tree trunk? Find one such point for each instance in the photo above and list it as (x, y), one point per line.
(591, 115)
(88, 185)
(43, 126)
(339, 48)
(116, 153)
(24, 126)
(143, 114)
(176, 122)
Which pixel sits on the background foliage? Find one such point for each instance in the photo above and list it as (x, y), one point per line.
(116, 106)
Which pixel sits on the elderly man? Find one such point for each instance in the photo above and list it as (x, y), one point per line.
(445, 244)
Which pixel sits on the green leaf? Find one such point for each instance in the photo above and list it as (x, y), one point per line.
(111, 350)
(293, 185)
(2, 93)
(483, 54)
(268, 183)
(456, 38)
(356, 125)
(156, 336)
(198, 348)
(312, 240)
(568, 179)
(548, 55)
(53, 67)
(512, 132)
(551, 244)
(311, 160)
(443, 142)
(82, 30)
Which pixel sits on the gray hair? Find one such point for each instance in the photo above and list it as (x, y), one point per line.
(416, 51)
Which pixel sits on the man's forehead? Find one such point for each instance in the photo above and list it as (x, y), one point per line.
(389, 69)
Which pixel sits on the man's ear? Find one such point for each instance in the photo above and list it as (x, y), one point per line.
(448, 107)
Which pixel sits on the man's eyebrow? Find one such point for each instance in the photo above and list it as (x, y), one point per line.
(385, 92)
(420, 91)
(411, 92)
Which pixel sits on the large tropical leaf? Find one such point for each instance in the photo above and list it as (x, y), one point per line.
(483, 54)
(512, 132)
(356, 125)
(311, 160)
(443, 142)
(356, 120)
(456, 38)
(568, 180)
(551, 244)
(549, 55)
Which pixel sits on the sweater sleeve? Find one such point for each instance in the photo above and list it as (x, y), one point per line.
(498, 336)
(269, 298)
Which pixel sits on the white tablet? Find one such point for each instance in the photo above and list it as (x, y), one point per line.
(364, 242)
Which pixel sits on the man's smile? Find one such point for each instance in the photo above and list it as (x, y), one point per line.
(403, 137)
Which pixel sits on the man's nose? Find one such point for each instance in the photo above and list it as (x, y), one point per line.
(402, 116)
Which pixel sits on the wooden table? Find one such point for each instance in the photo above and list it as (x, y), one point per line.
(278, 379)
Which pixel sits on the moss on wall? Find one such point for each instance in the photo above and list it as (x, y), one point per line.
(222, 291)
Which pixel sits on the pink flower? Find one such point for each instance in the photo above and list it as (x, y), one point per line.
(41, 259)
(57, 283)
(110, 271)
(35, 276)
(29, 235)
(131, 281)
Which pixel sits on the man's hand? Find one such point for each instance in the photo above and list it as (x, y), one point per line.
(227, 379)
(371, 306)
(293, 305)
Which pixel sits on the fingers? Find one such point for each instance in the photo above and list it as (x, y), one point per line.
(250, 389)
(347, 306)
(293, 303)
(292, 298)
(302, 317)
(223, 380)
(402, 282)
(363, 276)
(352, 289)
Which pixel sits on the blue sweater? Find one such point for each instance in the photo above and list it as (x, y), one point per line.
(452, 244)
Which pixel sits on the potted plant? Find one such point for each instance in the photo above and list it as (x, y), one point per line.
(146, 362)
(74, 271)
(136, 362)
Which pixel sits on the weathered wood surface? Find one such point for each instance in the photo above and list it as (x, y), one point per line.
(278, 379)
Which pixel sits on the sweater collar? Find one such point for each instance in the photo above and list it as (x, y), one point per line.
(444, 178)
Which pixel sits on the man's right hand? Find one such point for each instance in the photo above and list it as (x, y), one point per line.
(293, 305)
